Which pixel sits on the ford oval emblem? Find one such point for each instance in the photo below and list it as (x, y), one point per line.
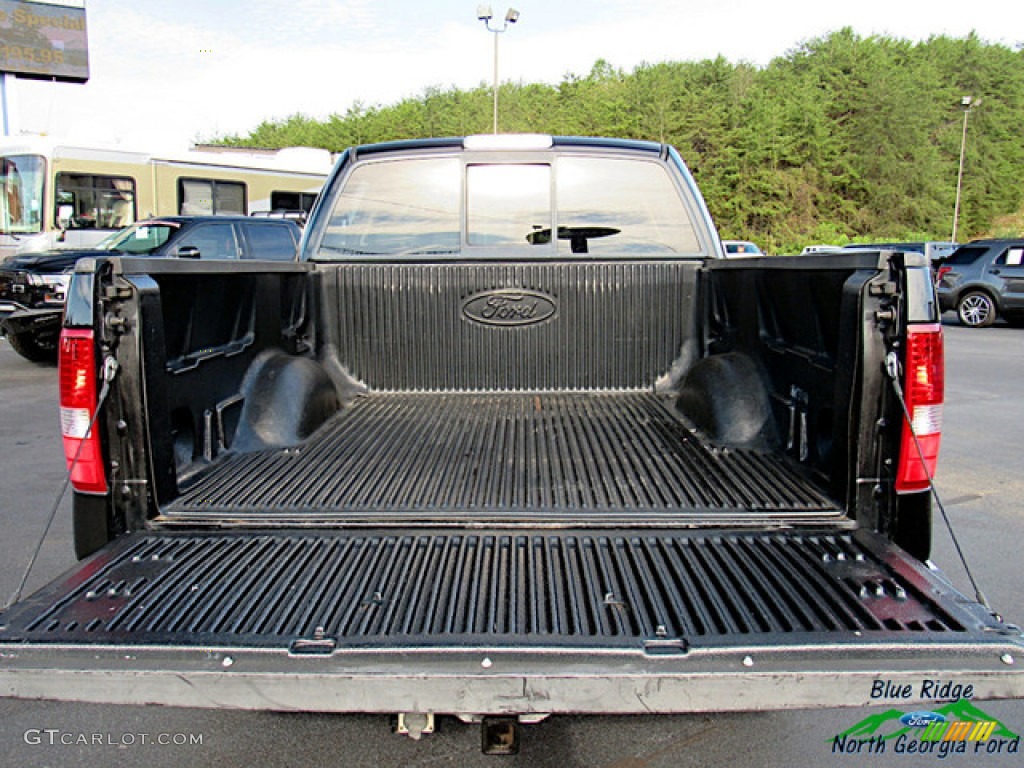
(922, 719)
(509, 307)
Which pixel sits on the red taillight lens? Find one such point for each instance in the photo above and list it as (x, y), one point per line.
(924, 391)
(77, 374)
(941, 273)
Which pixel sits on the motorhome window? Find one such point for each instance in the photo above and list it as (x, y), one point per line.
(90, 201)
(292, 201)
(199, 197)
(21, 193)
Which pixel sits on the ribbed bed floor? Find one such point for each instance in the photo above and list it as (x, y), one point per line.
(472, 454)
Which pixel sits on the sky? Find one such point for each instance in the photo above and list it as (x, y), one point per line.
(167, 74)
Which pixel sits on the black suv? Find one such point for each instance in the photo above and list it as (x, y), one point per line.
(33, 285)
(982, 280)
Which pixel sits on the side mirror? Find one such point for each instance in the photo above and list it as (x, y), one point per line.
(188, 252)
(64, 215)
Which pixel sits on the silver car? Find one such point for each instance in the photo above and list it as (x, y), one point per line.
(983, 280)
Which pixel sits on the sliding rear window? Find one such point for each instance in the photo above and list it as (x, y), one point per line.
(574, 207)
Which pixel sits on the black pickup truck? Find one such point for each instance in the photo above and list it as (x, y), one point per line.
(33, 285)
(511, 438)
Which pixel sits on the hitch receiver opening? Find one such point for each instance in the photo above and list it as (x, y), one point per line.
(499, 736)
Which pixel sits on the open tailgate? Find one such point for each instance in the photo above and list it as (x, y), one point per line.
(504, 621)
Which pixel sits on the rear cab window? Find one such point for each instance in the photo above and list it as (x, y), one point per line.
(543, 205)
(389, 208)
(507, 204)
(614, 206)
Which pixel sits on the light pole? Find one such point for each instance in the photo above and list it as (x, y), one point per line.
(483, 13)
(967, 103)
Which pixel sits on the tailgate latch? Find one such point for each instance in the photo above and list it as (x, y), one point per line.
(665, 646)
(317, 645)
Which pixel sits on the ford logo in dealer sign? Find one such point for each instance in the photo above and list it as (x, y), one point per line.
(922, 719)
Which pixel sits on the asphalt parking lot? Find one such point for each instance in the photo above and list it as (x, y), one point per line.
(980, 479)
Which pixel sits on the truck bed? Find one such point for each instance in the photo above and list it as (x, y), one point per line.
(516, 457)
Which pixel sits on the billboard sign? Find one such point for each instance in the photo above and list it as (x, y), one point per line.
(43, 41)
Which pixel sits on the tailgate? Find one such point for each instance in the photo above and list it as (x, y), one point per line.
(504, 621)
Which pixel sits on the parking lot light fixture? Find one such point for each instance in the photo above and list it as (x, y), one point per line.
(484, 14)
(968, 103)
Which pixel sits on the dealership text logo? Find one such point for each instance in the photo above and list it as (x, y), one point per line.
(958, 727)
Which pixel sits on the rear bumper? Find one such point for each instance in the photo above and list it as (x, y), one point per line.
(483, 681)
(39, 322)
(947, 300)
(16, 296)
(8, 308)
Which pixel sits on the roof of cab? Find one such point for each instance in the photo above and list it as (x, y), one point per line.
(506, 142)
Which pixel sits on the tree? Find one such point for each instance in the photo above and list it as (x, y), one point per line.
(844, 137)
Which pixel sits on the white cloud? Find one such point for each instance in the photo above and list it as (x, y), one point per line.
(161, 74)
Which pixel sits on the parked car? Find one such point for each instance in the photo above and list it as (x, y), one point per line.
(983, 280)
(934, 250)
(299, 216)
(809, 249)
(33, 286)
(210, 237)
(740, 248)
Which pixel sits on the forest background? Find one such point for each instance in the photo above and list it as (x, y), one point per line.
(843, 139)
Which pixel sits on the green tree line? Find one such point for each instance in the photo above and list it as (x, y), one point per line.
(844, 138)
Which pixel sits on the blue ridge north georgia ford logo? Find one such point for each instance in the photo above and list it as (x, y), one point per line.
(956, 727)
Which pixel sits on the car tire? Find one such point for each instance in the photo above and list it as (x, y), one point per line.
(976, 309)
(31, 348)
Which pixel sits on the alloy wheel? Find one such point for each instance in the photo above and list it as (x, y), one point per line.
(976, 310)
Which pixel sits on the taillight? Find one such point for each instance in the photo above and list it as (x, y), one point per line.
(924, 391)
(941, 273)
(77, 373)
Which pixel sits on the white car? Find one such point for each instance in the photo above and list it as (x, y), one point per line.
(820, 249)
(740, 248)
